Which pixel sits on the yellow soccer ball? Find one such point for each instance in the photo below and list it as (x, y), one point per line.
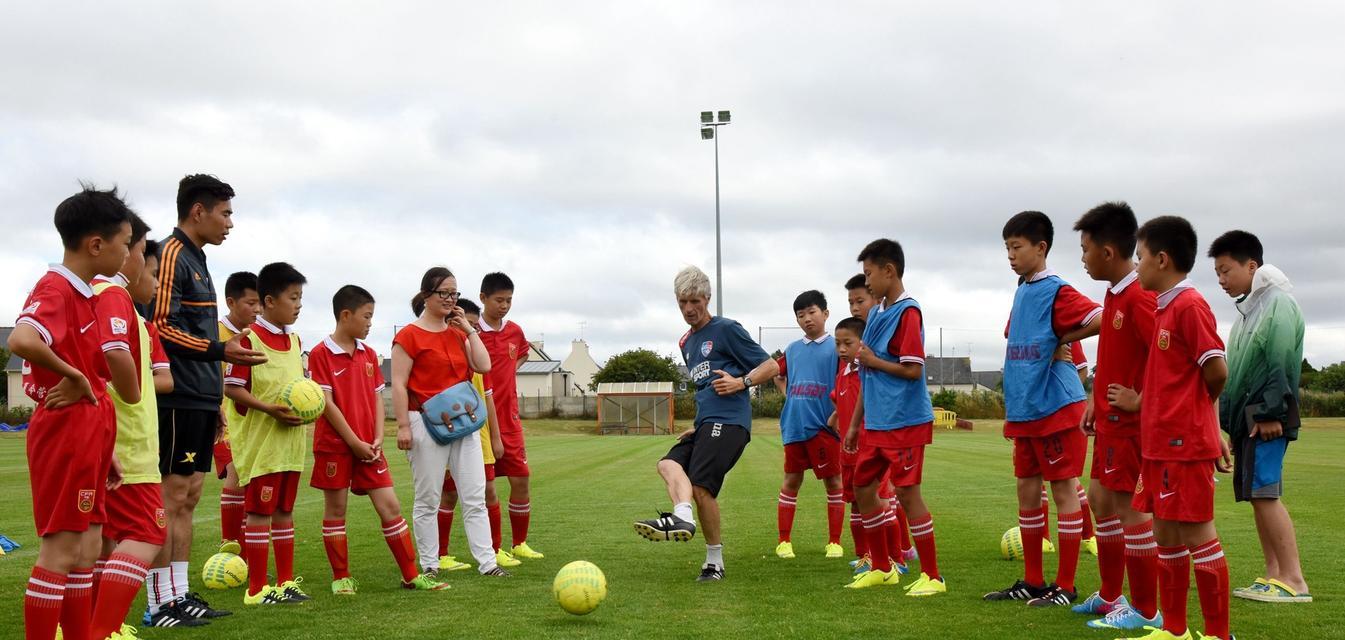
(224, 571)
(1011, 544)
(304, 398)
(579, 587)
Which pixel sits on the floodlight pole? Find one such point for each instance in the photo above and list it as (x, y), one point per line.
(709, 129)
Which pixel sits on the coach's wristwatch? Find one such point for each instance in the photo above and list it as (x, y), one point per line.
(747, 382)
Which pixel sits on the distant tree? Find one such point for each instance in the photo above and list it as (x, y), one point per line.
(637, 365)
(1308, 375)
(1329, 378)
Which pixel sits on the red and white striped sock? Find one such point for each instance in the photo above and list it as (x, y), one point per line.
(784, 514)
(97, 576)
(903, 525)
(282, 539)
(835, 517)
(1142, 568)
(874, 524)
(256, 548)
(123, 574)
(231, 513)
(77, 607)
(398, 536)
(1088, 531)
(1174, 583)
(1069, 531)
(1046, 513)
(520, 515)
(922, 529)
(1212, 586)
(42, 604)
(857, 531)
(334, 541)
(496, 534)
(1111, 557)
(445, 528)
(1031, 524)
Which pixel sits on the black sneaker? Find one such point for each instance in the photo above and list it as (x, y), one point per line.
(1019, 591)
(293, 594)
(497, 573)
(1054, 597)
(172, 615)
(711, 573)
(666, 527)
(197, 607)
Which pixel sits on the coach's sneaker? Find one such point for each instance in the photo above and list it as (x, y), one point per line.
(230, 546)
(197, 607)
(666, 527)
(522, 550)
(425, 582)
(710, 573)
(505, 559)
(293, 594)
(171, 615)
(1095, 605)
(834, 550)
(1276, 591)
(925, 586)
(497, 572)
(452, 563)
(784, 550)
(1126, 617)
(1020, 590)
(268, 595)
(1258, 585)
(1055, 596)
(1159, 633)
(344, 587)
(1089, 545)
(875, 578)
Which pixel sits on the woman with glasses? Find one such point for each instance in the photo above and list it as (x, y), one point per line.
(440, 349)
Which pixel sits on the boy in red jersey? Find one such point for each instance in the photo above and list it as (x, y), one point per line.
(67, 366)
(508, 349)
(348, 442)
(1125, 536)
(1044, 404)
(1179, 432)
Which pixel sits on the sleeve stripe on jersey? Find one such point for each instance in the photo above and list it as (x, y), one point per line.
(907, 359)
(1091, 315)
(161, 365)
(237, 382)
(164, 299)
(381, 387)
(41, 330)
(116, 346)
(325, 387)
(1212, 353)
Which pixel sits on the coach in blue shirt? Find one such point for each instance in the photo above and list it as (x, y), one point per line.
(725, 364)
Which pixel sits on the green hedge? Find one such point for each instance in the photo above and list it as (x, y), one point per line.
(1321, 404)
(15, 415)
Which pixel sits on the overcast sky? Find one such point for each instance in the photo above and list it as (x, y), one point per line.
(558, 142)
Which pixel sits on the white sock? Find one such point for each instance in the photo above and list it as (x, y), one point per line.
(683, 510)
(179, 579)
(714, 554)
(159, 588)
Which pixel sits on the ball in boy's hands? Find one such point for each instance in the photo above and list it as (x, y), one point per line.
(304, 399)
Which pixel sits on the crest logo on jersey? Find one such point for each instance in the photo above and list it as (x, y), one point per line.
(161, 518)
(1139, 484)
(513, 352)
(267, 493)
(86, 500)
(369, 369)
(119, 326)
(707, 347)
(1118, 319)
(331, 469)
(1164, 339)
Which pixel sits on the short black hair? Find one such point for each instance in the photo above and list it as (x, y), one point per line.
(91, 212)
(1033, 225)
(468, 307)
(139, 229)
(495, 282)
(1172, 235)
(238, 284)
(1238, 245)
(152, 249)
(856, 281)
(205, 189)
(1111, 223)
(809, 298)
(276, 277)
(350, 298)
(852, 324)
(884, 251)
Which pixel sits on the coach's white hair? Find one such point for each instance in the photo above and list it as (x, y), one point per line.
(691, 282)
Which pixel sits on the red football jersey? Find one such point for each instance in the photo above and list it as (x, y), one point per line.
(1178, 420)
(61, 309)
(845, 395)
(355, 381)
(1122, 352)
(158, 356)
(506, 346)
(117, 317)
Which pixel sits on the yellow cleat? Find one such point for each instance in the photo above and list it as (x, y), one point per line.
(127, 632)
(785, 550)
(268, 595)
(1089, 545)
(834, 550)
(451, 563)
(230, 546)
(925, 586)
(505, 559)
(1158, 633)
(875, 579)
(522, 550)
(1046, 546)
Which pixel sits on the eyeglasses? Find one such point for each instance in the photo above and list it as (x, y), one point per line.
(445, 294)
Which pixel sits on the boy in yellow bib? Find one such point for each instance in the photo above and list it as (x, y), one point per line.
(268, 442)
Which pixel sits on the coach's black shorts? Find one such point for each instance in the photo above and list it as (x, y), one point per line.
(186, 440)
(709, 453)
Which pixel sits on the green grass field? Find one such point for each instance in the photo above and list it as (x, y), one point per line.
(588, 489)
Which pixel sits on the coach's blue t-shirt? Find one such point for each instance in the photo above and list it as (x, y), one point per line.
(722, 345)
(811, 375)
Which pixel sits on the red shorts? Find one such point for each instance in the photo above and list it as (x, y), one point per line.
(1058, 456)
(224, 456)
(343, 471)
(1116, 462)
(895, 457)
(514, 462)
(135, 512)
(848, 485)
(1176, 490)
(821, 453)
(69, 456)
(271, 493)
(452, 487)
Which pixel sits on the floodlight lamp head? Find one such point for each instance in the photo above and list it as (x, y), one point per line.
(724, 117)
(707, 117)
(707, 133)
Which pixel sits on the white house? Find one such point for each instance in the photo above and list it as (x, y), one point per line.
(542, 376)
(581, 365)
